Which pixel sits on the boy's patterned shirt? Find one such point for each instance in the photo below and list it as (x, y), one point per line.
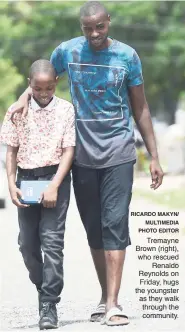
(42, 134)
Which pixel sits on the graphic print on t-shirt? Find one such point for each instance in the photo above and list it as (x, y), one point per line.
(96, 91)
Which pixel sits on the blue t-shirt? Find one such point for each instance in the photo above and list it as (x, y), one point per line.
(99, 82)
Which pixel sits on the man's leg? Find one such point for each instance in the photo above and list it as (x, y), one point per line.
(114, 264)
(116, 188)
(98, 256)
(87, 193)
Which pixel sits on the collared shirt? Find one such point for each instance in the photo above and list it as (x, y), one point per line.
(42, 134)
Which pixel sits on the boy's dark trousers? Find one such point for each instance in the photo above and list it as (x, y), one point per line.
(43, 228)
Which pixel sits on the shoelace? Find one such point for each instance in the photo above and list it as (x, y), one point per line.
(46, 307)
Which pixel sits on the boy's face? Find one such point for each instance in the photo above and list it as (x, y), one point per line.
(43, 87)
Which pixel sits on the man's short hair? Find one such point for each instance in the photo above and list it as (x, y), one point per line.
(91, 8)
(42, 66)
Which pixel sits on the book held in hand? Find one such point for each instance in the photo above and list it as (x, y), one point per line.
(32, 191)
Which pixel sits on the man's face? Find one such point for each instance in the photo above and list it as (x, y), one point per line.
(95, 28)
(43, 87)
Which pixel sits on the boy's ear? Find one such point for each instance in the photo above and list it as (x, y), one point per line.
(57, 79)
(28, 79)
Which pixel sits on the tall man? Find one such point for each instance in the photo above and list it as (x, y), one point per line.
(107, 88)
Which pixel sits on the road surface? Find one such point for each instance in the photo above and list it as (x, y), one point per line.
(81, 292)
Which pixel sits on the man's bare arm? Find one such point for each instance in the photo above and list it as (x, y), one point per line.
(21, 106)
(25, 95)
(11, 168)
(50, 195)
(143, 121)
(142, 118)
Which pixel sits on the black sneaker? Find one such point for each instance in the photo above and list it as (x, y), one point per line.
(48, 316)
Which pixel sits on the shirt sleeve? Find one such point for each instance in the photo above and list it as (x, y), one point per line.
(69, 138)
(135, 76)
(8, 134)
(57, 60)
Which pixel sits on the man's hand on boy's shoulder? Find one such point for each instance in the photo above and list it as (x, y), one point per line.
(19, 107)
(49, 197)
(16, 194)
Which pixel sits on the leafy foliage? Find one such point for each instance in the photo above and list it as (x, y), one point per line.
(10, 80)
(30, 30)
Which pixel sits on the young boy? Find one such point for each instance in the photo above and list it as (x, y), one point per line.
(41, 147)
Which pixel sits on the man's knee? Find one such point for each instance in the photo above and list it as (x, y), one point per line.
(115, 233)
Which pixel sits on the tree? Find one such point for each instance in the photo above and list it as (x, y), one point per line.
(30, 30)
(10, 80)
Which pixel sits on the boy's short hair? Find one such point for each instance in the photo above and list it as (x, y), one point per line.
(42, 66)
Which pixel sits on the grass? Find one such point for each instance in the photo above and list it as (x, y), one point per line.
(174, 199)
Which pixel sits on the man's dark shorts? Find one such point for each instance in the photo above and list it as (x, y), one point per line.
(103, 198)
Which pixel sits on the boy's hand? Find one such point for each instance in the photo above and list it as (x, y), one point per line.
(156, 174)
(49, 197)
(15, 194)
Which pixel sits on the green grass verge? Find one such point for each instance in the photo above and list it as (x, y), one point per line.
(174, 199)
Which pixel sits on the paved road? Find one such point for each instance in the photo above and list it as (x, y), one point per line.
(81, 293)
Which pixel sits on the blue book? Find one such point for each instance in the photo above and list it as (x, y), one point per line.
(32, 190)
